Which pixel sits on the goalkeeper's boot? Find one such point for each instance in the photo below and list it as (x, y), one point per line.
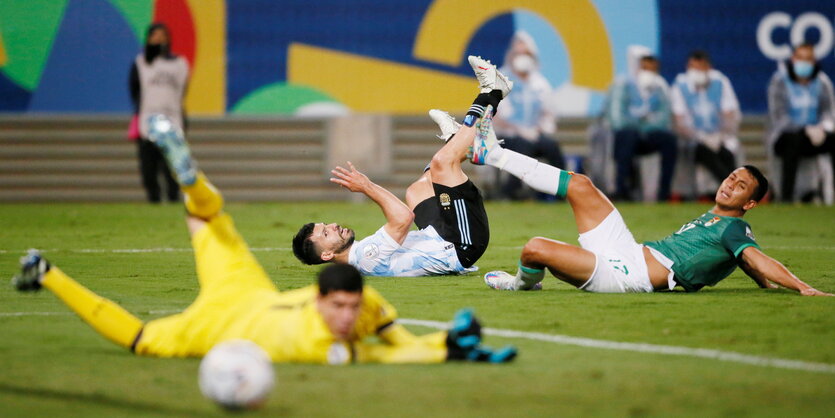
(485, 139)
(501, 280)
(489, 77)
(446, 122)
(32, 269)
(169, 138)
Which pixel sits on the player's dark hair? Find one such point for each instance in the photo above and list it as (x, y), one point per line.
(337, 277)
(650, 58)
(303, 246)
(699, 55)
(762, 182)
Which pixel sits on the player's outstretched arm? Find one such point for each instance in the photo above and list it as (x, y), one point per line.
(399, 217)
(766, 270)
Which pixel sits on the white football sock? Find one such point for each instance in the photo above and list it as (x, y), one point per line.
(539, 176)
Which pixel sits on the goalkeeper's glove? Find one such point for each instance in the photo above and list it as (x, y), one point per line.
(464, 335)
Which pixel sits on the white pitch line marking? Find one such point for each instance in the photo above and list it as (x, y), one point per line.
(672, 350)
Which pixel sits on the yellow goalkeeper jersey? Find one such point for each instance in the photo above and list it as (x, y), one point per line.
(287, 325)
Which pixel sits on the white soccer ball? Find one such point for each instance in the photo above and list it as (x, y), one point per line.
(237, 374)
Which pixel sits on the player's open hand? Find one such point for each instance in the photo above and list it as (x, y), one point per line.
(350, 178)
(814, 292)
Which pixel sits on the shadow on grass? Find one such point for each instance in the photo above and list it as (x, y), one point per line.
(93, 398)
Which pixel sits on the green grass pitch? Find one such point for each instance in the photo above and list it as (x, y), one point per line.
(55, 365)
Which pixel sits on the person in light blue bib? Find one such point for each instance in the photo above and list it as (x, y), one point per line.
(800, 109)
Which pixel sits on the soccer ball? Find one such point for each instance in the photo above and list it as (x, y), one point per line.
(236, 374)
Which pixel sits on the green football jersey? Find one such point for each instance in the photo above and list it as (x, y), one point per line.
(705, 249)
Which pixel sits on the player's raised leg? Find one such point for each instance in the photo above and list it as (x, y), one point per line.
(220, 252)
(107, 318)
(591, 207)
(445, 167)
(202, 200)
(589, 204)
(422, 188)
(567, 262)
(494, 86)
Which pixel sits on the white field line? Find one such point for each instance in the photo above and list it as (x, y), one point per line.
(671, 350)
(270, 249)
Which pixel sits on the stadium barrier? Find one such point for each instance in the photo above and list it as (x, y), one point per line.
(88, 158)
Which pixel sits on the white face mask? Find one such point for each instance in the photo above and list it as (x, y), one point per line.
(523, 64)
(698, 77)
(645, 79)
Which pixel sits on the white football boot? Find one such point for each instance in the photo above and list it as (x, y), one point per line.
(489, 77)
(485, 139)
(446, 122)
(501, 280)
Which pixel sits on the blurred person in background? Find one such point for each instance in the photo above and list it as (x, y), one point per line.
(158, 81)
(800, 109)
(526, 119)
(639, 115)
(707, 115)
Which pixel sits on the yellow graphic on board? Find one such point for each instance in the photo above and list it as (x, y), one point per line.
(374, 85)
(367, 84)
(207, 87)
(449, 25)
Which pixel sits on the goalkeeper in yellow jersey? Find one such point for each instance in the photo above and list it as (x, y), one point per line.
(322, 323)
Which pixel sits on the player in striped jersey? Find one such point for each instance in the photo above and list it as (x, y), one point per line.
(453, 230)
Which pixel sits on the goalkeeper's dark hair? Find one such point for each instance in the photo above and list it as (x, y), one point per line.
(304, 248)
(336, 277)
(762, 182)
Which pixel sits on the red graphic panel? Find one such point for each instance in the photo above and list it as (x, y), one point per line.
(177, 16)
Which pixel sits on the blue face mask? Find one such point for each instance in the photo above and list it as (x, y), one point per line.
(803, 69)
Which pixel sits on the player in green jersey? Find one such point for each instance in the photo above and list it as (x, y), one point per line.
(609, 260)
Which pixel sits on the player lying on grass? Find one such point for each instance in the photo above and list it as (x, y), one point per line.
(609, 260)
(324, 323)
(453, 230)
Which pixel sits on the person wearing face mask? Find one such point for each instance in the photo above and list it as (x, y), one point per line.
(800, 108)
(638, 113)
(526, 119)
(707, 115)
(157, 84)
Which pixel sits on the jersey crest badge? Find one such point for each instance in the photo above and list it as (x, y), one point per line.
(370, 251)
(445, 200)
(713, 221)
(748, 232)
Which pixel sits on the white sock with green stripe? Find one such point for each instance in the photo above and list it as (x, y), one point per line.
(539, 176)
(527, 277)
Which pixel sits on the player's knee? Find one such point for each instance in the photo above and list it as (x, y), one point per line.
(533, 250)
(581, 184)
(440, 162)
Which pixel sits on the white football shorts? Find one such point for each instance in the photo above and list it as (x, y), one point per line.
(620, 265)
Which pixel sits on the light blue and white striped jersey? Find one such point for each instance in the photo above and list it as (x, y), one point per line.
(423, 253)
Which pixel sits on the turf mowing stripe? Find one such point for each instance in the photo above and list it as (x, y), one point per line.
(671, 350)
(644, 348)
